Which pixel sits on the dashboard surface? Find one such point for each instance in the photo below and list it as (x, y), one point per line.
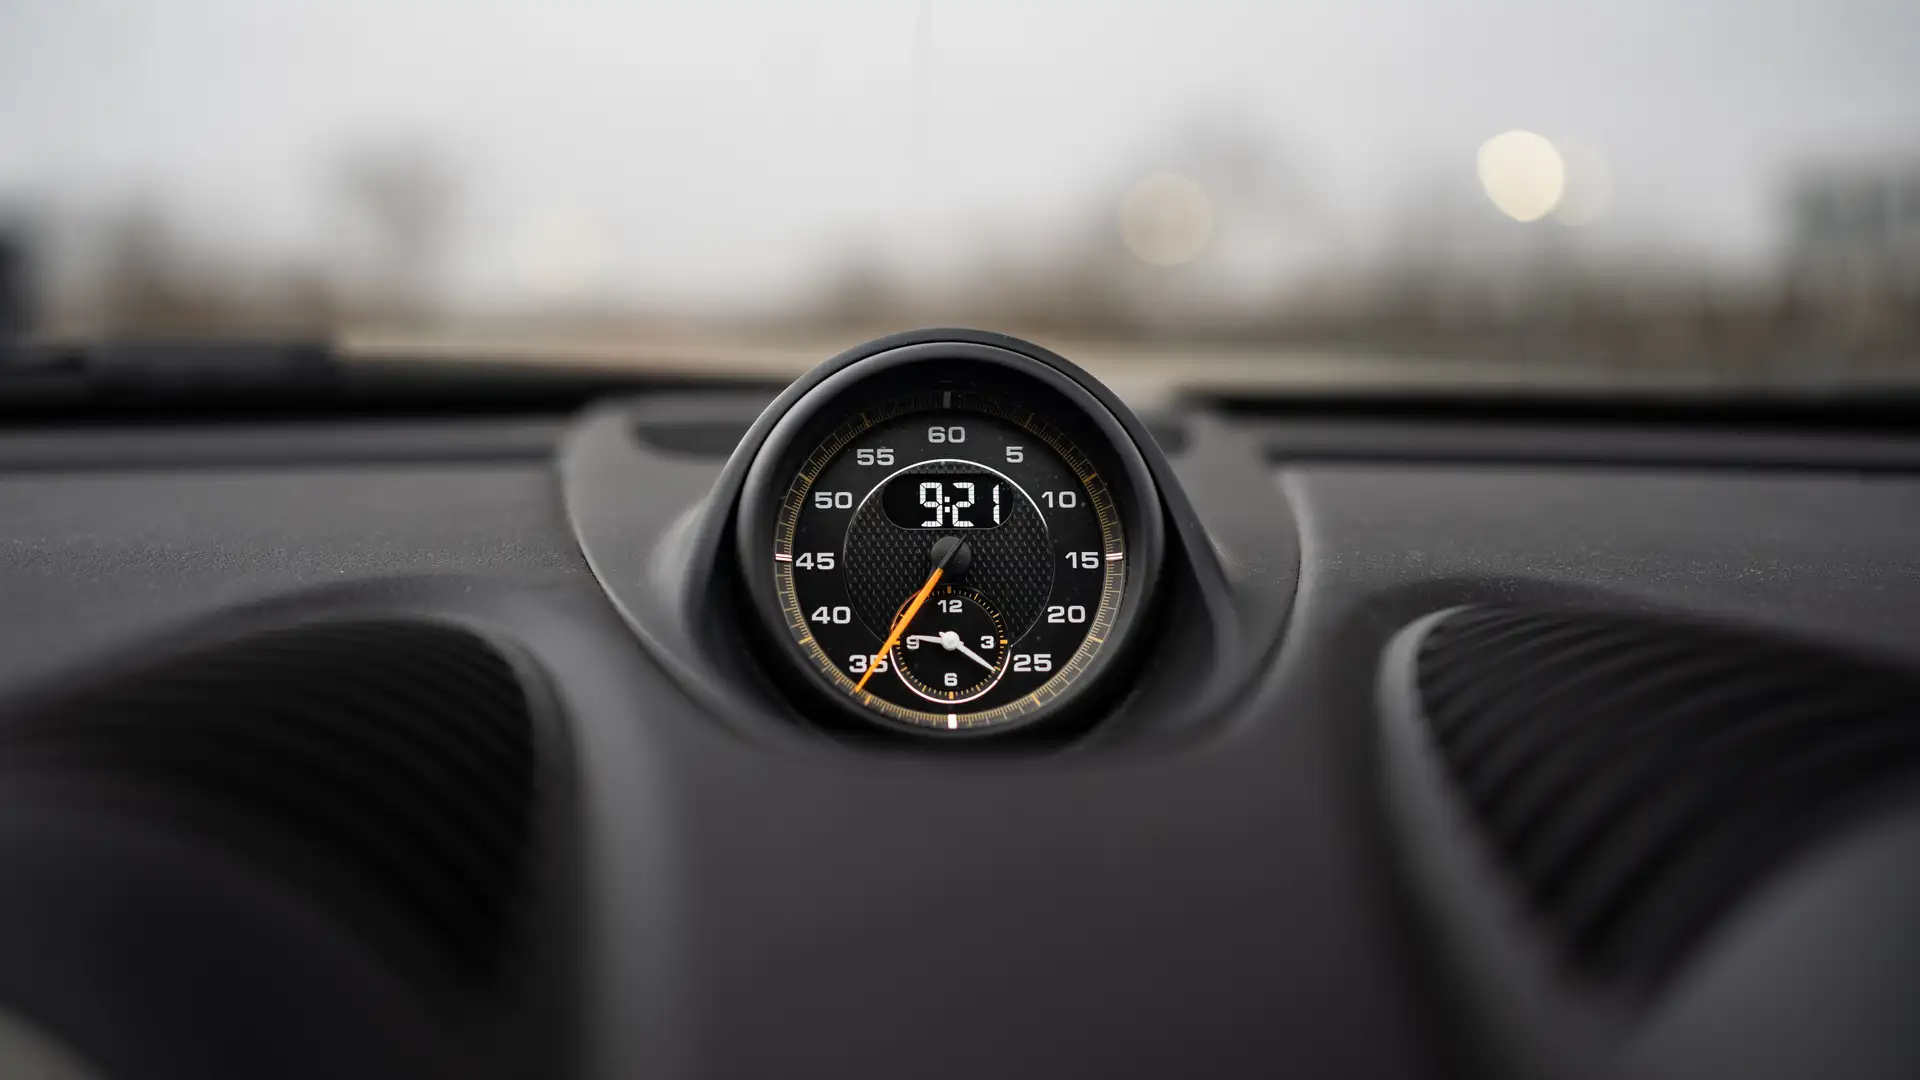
(1215, 897)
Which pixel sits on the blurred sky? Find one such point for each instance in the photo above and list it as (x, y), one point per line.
(709, 149)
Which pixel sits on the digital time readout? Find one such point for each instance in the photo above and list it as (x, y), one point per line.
(955, 500)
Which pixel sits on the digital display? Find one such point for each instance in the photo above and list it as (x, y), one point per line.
(956, 500)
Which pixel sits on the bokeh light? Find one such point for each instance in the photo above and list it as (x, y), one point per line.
(1523, 173)
(1166, 219)
(558, 254)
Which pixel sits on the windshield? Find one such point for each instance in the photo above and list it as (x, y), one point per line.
(1377, 193)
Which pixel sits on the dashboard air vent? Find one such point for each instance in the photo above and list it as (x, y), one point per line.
(386, 767)
(1637, 774)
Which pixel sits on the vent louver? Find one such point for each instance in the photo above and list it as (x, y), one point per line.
(1636, 775)
(387, 766)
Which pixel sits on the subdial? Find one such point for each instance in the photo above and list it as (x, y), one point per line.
(954, 649)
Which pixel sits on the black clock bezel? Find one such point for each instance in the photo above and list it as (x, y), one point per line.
(937, 365)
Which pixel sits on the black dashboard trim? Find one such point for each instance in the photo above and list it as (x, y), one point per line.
(1228, 569)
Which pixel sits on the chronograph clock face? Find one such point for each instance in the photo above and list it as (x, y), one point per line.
(947, 554)
(1035, 559)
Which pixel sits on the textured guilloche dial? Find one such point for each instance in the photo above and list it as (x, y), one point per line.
(984, 513)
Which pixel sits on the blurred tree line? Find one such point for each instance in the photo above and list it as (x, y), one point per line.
(1845, 296)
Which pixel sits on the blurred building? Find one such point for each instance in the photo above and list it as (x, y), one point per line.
(1857, 228)
(16, 286)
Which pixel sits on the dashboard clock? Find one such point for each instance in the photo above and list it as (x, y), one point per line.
(950, 538)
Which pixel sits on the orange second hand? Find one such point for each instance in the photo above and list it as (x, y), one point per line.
(900, 625)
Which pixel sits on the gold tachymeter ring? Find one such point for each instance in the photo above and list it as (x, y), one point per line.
(979, 634)
(1111, 547)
